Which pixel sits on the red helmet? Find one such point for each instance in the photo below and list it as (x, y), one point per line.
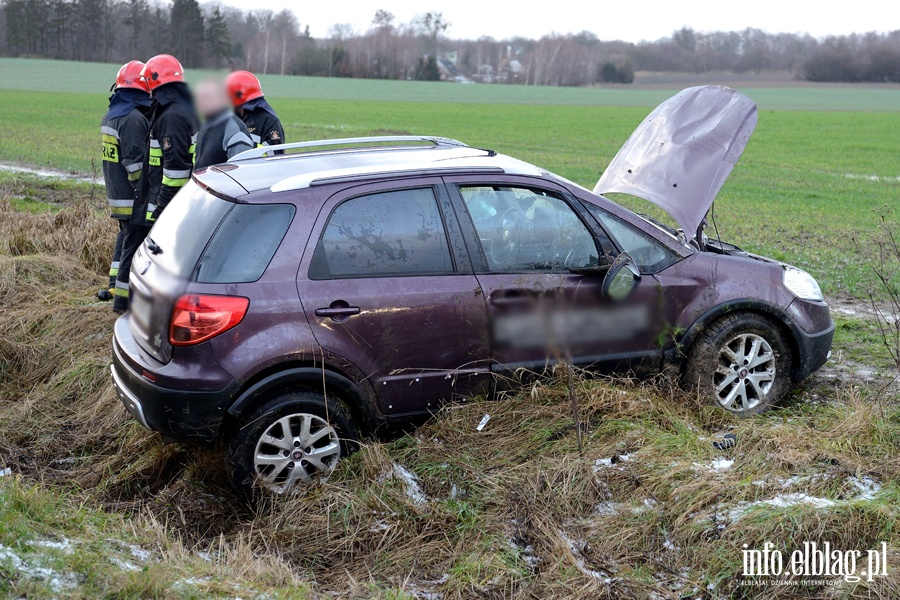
(129, 76)
(162, 69)
(243, 86)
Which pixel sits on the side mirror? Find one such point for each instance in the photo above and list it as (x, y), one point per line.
(621, 279)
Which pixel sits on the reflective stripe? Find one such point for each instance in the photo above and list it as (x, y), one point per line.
(154, 143)
(114, 272)
(121, 208)
(193, 149)
(120, 292)
(179, 182)
(256, 139)
(155, 155)
(110, 146)
(239, 138)
(177, 173)
(151, 208)
(134, 176)
(109, 131)
(134, 167)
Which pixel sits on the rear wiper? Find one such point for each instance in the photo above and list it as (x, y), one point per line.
(153, 247)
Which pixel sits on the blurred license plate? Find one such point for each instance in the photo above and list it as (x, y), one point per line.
(140, 309)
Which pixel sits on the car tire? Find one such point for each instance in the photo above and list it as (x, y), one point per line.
(297, 437)
(741, 363)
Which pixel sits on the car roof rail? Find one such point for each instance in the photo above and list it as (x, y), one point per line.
(371, 142)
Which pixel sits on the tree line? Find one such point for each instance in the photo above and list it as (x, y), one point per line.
(215, 35)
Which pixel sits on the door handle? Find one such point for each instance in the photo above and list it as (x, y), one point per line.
(347, 311)
(338, 310)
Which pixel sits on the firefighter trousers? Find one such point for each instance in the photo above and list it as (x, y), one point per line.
(133, 237)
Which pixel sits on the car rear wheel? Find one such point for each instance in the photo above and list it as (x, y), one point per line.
(297, 438)
(741, 362)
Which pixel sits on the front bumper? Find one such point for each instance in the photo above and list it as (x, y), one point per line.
(180, 415)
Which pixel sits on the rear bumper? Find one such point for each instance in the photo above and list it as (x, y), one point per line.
(180, 415)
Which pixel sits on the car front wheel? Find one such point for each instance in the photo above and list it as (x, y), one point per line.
(296, 438)
(741, 362)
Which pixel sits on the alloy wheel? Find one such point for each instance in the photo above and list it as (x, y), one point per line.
(298, 447)
(745, 372)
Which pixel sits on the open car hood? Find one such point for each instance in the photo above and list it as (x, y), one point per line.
(680, 156)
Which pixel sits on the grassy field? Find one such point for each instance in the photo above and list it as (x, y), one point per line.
(810, 181)
(94, 506)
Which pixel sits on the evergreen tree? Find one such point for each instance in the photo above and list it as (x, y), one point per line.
(187, 32)
(218, 41)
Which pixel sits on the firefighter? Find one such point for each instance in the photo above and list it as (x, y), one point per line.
(251, 106)
(170, 155)
(123, 135)
(222, 134)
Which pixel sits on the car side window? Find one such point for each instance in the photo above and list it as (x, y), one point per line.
(650, 255)
(396, 233)
(521, 229)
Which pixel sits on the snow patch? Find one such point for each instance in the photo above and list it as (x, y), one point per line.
(139, 553)
(124, 565)
(780, 501)
(410, 483)
(63, 545)
(866, 487)
(576, 547)
(56, 581)
(603, 463)
(717, 465)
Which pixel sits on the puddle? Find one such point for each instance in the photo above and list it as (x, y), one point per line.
(50, 173)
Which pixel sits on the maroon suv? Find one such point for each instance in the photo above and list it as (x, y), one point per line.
(290, 304)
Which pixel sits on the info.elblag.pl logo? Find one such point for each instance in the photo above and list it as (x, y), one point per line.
(815, 560)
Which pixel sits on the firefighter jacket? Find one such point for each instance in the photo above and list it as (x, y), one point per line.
(221, 137)
(262, 123)
(173, 135)
(123, 136)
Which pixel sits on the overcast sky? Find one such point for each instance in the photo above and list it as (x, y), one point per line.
(630, 20)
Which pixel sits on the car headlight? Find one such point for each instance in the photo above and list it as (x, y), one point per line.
(801, 284)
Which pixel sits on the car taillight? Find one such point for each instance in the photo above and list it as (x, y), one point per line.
(196, 317)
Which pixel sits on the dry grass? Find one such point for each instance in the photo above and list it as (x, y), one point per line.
(510, 511)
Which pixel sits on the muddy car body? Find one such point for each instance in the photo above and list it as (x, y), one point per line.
(290, 304)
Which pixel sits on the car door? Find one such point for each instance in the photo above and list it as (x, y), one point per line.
(388, 287)
(539, 257)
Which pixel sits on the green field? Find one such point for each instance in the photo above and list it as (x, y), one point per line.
(810, 180)
(632, 501)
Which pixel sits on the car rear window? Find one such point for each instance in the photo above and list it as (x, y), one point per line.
(210, 240)
(185, 227)
(244, 244)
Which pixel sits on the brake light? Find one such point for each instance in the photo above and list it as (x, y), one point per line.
(197, 318)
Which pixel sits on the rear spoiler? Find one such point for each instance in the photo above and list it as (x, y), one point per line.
(217, 182)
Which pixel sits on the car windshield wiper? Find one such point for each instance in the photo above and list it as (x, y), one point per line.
(153, 247)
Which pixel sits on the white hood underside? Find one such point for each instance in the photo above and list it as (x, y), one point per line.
(680, 156)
